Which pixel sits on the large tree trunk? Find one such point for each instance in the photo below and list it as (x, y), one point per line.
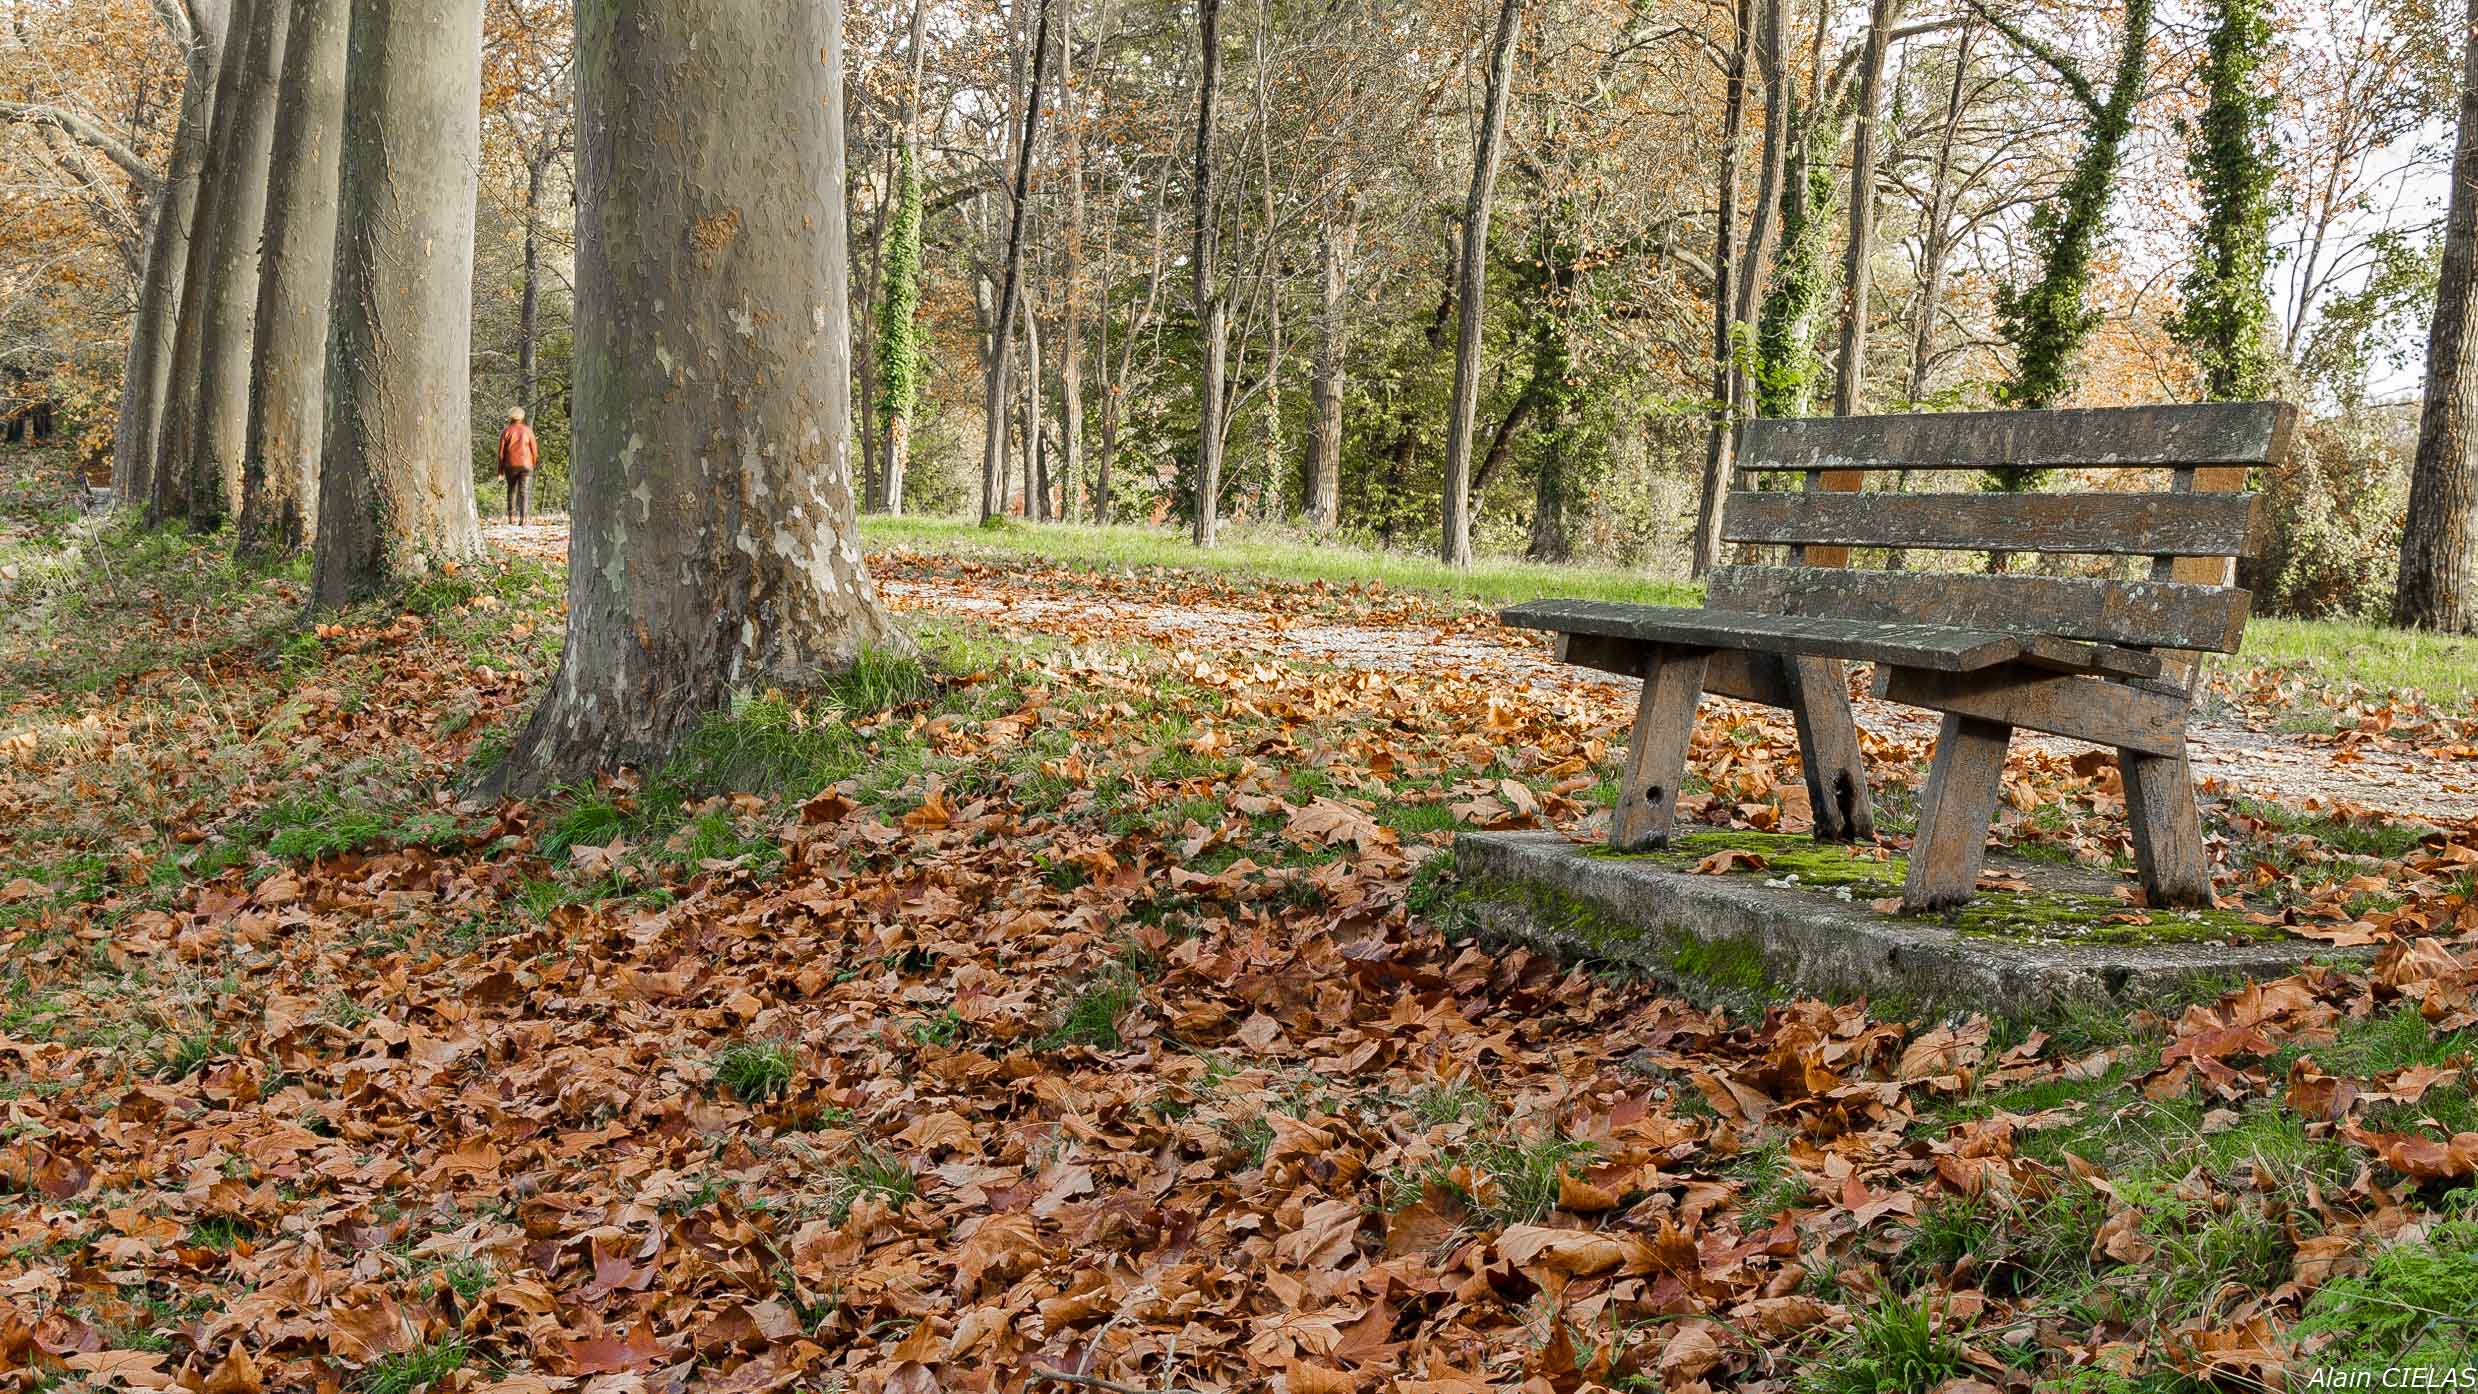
(1850, 375)
(994, 385)
(1721, 436)
(148, 373)
(395, 495)
(288, 368)
(1211, 315)
(2439, 545)
(1325, 388)
(222, 425)
(1472, 299)
(177, 435)
(715, 544)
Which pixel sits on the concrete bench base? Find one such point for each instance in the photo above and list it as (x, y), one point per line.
(1737, 936)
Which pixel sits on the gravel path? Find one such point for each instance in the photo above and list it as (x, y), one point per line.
(2390, 777)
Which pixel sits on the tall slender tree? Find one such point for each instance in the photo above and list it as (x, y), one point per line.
(176, 438)
(1721, 434)
(1471, 295)
(1205, 288)
(715, 543)
(220, 429)
(2439, 547)
(288, 368)
(172, 223)
(1011, 290)
(395, 496)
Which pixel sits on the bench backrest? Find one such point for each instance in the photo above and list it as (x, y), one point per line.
(2192, 530)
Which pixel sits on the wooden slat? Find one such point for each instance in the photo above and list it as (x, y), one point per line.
(2216, 433)
(2167, 614)
(2087, 709)
(1740, 673)
(1944, 648)
(2186, 525)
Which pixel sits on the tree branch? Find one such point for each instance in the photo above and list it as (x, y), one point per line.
(93, 136)
(2066, 69)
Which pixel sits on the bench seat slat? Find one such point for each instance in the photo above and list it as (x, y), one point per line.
(2169, 437)
(1940, 648)
(2166, 614)
(2174, 525)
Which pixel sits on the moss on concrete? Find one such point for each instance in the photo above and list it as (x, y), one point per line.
(1865, 873)
(1726, 971)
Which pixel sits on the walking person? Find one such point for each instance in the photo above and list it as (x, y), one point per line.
(517, 452)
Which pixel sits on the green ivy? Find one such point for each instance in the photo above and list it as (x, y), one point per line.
(1786, 364)
(900, 339)
(2227, 316)
(2048, 320)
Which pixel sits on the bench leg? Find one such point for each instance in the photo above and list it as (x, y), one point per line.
(1673, 682)
(2168, 834)
(1828, 749)
(1954, 813)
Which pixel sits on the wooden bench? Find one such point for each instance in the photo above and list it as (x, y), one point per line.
(2101, 660)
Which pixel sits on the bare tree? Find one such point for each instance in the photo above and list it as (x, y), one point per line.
(1471, 299)
(994, 385)
(1204, 285)
(198, 26)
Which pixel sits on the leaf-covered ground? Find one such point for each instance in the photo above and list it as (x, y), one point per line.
(1083, 1009)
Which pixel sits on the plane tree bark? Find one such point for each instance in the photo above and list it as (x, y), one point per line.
(714, 543)
(395, 497)
(148, 371)
(288, 367)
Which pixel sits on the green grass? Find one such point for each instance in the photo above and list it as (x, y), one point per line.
(1256, 552)
(413, 1370)
(1893, 1347)
(2354, 651)
(756, 1071)
(2416, 1305)
(1093, 1017)
(872, 1173)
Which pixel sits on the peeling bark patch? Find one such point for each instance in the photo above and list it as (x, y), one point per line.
(713, 234)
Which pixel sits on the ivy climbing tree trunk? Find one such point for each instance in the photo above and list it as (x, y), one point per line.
(288, 368)
(1785, 360)
(900, 343)
(395, 489)
(148, 374)
(2047, 320)
(2226, 319)
(1471, 298)
(2439, 546)
(715, 544)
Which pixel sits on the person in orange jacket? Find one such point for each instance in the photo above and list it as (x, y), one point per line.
(518, 450)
